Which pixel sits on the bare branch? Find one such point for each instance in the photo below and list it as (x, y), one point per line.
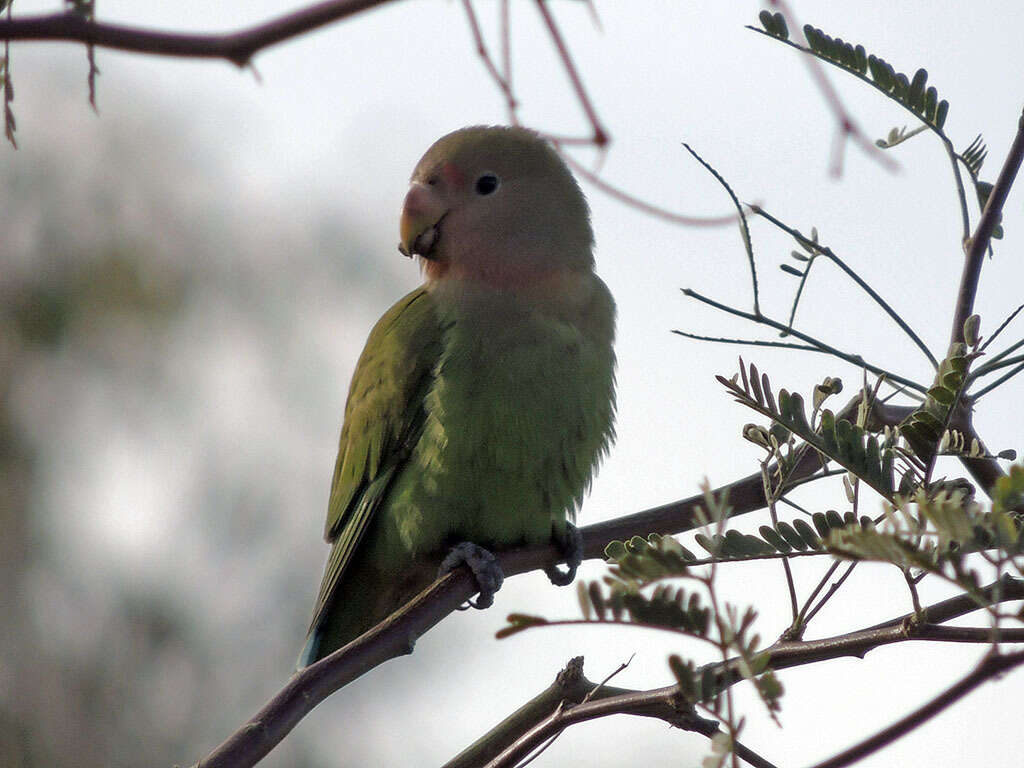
(238, 47)
(501, 80)
(600, 136)
(642, 205)
(396, 636)
(978, 244)
(665, 704)
(391, 638)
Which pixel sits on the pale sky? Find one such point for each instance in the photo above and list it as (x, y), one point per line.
(337, 120)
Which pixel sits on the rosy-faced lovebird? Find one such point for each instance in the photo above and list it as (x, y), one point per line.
(484, 399)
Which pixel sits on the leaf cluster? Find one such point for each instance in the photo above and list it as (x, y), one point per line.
(914, 93)
(926, 426)
(911, 92)
(837, 439)
(934, 533)
(705, 684)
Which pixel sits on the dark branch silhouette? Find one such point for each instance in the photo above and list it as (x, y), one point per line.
(238, 47)
(397, 635)
(979, 242)
(545, 716)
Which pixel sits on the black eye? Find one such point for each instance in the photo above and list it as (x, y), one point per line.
(486, 184)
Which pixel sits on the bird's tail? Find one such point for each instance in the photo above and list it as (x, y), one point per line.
(311, 651)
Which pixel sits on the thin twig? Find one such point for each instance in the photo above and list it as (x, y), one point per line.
(804, 277)
(791, 484)
(750, 342)
(765, 320)
(481, 49)
(540, 751)
(748, 245)
(995, 365)
(985, 367)
(975, 396)
(770, 495)
(831, 256)
(9, 122)
(965, 217)
(915, 599)
(600, 137)
(833, 588)
(506, 44)
(642, 205)
(999, 330)
(797, 628)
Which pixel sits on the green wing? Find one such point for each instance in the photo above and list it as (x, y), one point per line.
(383, 418)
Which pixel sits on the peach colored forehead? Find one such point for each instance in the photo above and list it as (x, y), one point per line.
(450, 172)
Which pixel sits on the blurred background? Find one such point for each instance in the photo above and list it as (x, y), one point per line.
(187, 278)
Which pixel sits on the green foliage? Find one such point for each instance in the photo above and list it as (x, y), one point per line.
(642, 562)
(1008, 494)
(926, 427)
(774, 24)
(704, 685)
(974, 156)
(635, 592)
(517, 622)
(912, 93)
(849, 445)
(648, 560)
(666, 607)
(935, 532)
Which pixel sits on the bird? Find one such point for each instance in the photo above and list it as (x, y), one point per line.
(484, 400)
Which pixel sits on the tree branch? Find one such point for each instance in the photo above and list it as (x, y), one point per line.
(978, 244)
(600, 136)
(238, 47)
(396, 636)
(664, 702)
(570, 686)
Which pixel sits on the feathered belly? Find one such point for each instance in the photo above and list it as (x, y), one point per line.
(515, 425)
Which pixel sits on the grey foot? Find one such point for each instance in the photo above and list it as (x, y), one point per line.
(571, 545)
(484, 565)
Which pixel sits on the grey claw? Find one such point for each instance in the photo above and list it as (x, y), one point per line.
(571, 545)
(485, 567)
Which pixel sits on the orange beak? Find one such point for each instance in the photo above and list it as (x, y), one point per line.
(421, 213)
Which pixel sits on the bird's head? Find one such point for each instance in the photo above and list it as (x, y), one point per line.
(497, 205)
